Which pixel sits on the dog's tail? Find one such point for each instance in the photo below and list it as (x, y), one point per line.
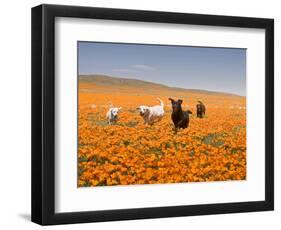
(161, 102)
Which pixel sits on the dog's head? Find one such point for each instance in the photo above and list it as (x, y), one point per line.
(144, 110)
(176, 104)
(114, 112)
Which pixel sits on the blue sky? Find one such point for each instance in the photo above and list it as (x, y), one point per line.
(215, 69)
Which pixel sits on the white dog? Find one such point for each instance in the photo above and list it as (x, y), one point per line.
(112, 114)
(152, 114)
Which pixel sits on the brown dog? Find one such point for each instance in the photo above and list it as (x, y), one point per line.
(201, 109)
(180, 118)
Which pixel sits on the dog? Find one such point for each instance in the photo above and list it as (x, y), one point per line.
(201, 109)
(112, 114)
(152, 114)
(179, 117)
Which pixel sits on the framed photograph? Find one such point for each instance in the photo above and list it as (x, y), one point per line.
(142, 114)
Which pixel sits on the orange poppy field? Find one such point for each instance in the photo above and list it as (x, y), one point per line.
(129, 152)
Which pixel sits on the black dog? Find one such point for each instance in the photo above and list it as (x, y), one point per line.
(180, 118)
(201, 109)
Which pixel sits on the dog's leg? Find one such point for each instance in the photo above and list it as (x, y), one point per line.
(144, 121)
(179, 123)
(151, 121)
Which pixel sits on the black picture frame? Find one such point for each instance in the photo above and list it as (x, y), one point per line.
(43, 114)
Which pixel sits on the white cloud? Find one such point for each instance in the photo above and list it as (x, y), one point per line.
(142, 67)
(125, 70)
(137, 68)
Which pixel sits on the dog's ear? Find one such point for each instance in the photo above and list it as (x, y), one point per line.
(171, 99)
(180, 101)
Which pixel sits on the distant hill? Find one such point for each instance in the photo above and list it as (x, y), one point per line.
(118, 81)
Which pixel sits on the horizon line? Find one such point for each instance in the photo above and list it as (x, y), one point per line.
(175, 87)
